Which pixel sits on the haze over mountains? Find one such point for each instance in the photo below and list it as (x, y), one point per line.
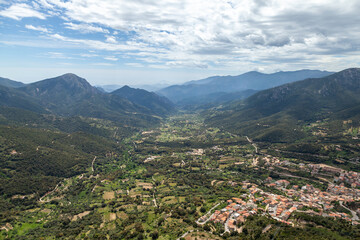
(210, 89)
(70, 95)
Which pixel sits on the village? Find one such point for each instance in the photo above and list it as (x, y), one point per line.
(306, 199)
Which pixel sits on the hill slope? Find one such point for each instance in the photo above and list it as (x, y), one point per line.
(10, 83)
(276, 112)
(33, 160)
(152, 101)
(11, 97)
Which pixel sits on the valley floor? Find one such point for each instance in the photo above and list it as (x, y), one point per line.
(186, 180)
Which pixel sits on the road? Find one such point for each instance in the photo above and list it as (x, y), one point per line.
(208, 213)
(253, 144)
(355, 216)
(184, 235)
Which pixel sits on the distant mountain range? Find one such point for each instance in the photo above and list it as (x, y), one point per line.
(148, 87)
(207, 90)
(70, 95)
(273, 114)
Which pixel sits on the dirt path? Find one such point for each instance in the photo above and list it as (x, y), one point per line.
(115, 132)
(154, 200)
(92, 164)
(56, 187)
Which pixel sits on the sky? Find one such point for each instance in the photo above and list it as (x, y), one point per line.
(168, 41)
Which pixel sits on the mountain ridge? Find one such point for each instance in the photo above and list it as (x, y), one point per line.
(250, 80)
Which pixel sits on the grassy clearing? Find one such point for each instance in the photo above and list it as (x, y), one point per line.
(109, 195)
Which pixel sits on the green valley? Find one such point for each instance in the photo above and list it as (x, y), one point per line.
(160, 184)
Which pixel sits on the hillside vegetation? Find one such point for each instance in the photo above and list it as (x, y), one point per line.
(278, 114)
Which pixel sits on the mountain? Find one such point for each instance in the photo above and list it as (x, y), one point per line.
(157, 104)
(64, 94)
(10, 83)
(69, 95)
(275, 113)
(250, 80)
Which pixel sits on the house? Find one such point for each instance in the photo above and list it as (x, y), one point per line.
(232, 225)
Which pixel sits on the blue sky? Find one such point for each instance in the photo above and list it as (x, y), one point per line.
(165, 41)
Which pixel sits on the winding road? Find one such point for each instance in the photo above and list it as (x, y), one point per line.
(253, 144)
(355, 216)
(56, 187)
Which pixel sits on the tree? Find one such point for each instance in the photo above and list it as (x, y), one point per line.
(154, 235)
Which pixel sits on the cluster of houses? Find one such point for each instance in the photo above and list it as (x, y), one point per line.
(322, 201)
(235, 213)
(255, 202)
(352, 178)
(280, 207)
(344, 193)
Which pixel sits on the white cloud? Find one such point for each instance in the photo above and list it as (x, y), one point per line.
(89, 55)
(103, 64)
(57, 55)
(85, 28)
(21, 10)
(111, 58)
(45, 4)
(203, 33)
(40, 29)
(134, 64)
(95, 44)
(111, 39)
(213, 34)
